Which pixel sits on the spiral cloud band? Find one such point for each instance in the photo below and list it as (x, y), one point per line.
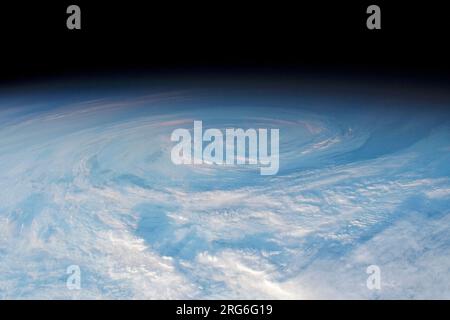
(90, 182)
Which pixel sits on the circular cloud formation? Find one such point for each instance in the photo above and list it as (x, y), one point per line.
(91, 183)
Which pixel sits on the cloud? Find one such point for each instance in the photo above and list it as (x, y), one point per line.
(92, 184)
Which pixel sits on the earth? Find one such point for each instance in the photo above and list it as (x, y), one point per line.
(86, 180)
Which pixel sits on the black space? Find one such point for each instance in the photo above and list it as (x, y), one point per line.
(148, 36)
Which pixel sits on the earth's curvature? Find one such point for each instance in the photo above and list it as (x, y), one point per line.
(88, 181)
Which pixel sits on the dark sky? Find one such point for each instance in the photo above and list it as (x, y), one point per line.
(144, 36)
